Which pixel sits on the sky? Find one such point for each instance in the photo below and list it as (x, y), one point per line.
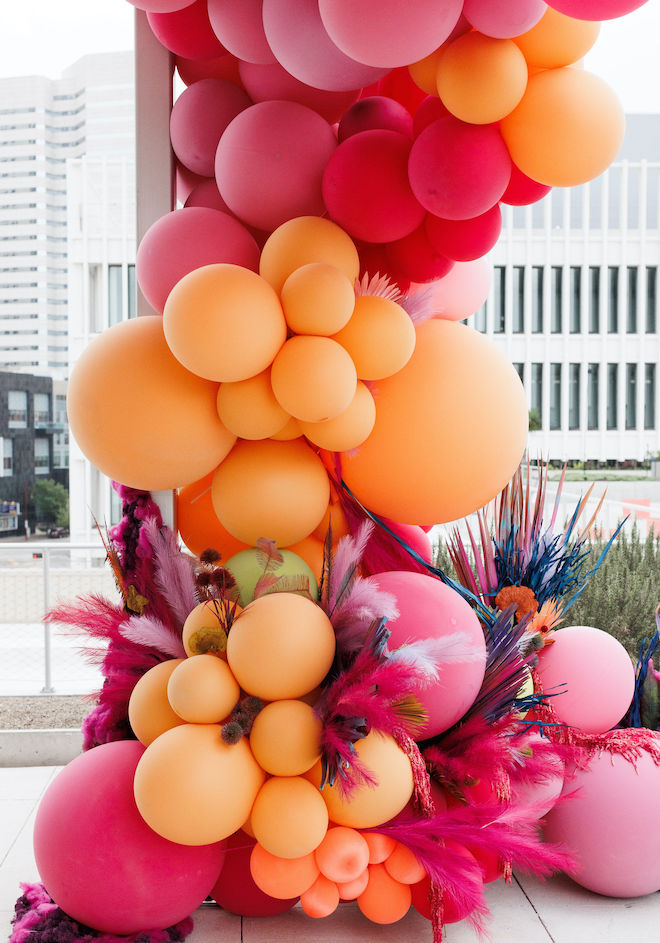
(45, 36)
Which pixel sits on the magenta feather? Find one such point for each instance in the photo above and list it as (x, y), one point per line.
(173, 571)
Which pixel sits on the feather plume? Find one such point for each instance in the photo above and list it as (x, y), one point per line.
(150, 633)
(429, 655)
(377, 285)
(173, 573)
(420, 304)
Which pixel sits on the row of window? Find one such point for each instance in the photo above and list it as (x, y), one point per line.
(594, 382)
(41, 457)
(18, 403)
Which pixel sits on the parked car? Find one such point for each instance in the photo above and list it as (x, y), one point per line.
(58, 532)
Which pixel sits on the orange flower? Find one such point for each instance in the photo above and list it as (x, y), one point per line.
(522, 597)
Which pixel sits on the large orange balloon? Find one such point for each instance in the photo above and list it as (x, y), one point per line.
(224, 322)
(450, 430)
(138, 415)
(313, 378)
(289, 817)
(149, 710)
(380, 337)
(271, 489)
(557, 40)
(567, 129)
(307, 239)
(198, 524)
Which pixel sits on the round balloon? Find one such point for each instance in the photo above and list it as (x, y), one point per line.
(270, 82)
(416, 258)
(376, 111)
(349, 429)
(286, 738)
(304, 240)
(249, 407)
(522, 190)
(596, 9)
(463, 290)
(384, 899)
(224, 66)
(149, 710)
(239, 27)
(314, 378)
(557, 40)
(187, 32)
(464, 240)
(503, 20)
(248, 566)
(199, 527)
(317, 299)
(202, 690)
(380, 337)
(289, 817)
(235, 889)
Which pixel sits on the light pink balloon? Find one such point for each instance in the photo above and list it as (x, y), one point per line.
(270, 162)
(187, 32)
(506, 19)
(389, 33)
(199, 117)
(161, 6)
(595, 9)
(597, 673)
(297, 37)
(239, 26)
(430, 610)
(611, 823)
(268, 82)
(462, 291)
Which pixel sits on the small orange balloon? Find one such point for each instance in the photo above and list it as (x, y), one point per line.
(303, 240)
(384, 900)
(335, 518)
(317, 299)
(351, 890)
(282, 878)
(281, 646)
(289, 817)
(248, 408)
(290, 431)
(557, 40)
(349, 429)
(403, 866)
(202, 690)
(380, 846)
(380, 337)
(313, 378)
(311, 551)
(149, 710)
(286, 738)
(198, 524)
(424, 72)
(343, 855)
(321, 899)
(205, 629)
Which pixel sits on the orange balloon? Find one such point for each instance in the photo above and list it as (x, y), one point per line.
(202, 690)
(457, 400)
(290, 431)
(334, 517)
(380, 337)
(384, 900)
(281, 646)
(313, 378)
(282, 878)
(205, 628)
(351, 890)
(289, 817)
(557, 40)
(199, 528)
(321, 899)
(343, 855)
(130, 370)
(403, 866)
(317, 299)
(286, 738)
(567, 129)
(368, 806)
(224, 322)
(481, 79)
(424, 72)
(192, 788)
(349, 429)
(303, 240)
(271, 489)
(248, 408)
(149, 710)
(380, 846)
(311, 551)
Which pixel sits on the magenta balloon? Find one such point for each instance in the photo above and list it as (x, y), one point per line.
(222, 67)
(187, 239)
(429, 111)
(366, 189)
(504, 20)
(592, 676)
(595, 9)
(100, 861)
(416, 258)
(459, 170)
(522, 190)
(298, 39)
(161, 6)
(185, 181)
(389, 33)
(430, 610)
(270, 162)
(268, 82)
(377, 111)
(239, 26)
(465, 239)
(415, 537)
(187, 32)
(199, 117)
(615, 842)
(463, 290)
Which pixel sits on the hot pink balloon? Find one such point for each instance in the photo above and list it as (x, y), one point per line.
(366, 189)
(429, 111)
(459, 170)
(430, 610)
(187, 32)
(596, 672)
(235, 890)
(297, 37)
(187, 239)
(206, 194)
(374, 261)
(377, 111)
(239, 26)
(199, 117)
(595, 9)
(397, 84)
(100, 861)
(222, 67)
(465, 239)
(270, 163)
(610, 822)
(522, 190)
(463, 290)
(388, 33)
(415, 537)
(416, 258)
(268, 82)
(503, 20)
(185, 181)
(161, 6)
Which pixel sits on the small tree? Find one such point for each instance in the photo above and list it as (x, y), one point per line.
(51, 501)
(534, 420)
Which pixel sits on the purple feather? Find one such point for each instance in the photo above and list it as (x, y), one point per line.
(173, 572)
(151, 633)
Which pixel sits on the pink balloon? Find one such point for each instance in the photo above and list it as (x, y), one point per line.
(463, 290)
(429, 111)
(465, 239)
(611, 824)
(416, 258)
(430, 610)
(239, 26)
(595, 9)
(366, 189)
(185, 182)
(503, 20)
(99, 860)
(206, 193)
(459, 170)
(298, 39)
(377, 111)
(270, 163)
(161, 6)
(397, 84)
(222, 67)
(267, 82)
(199, 117)
(388, 33)
(184, 240)
(187, 32)
(235, 890)
(374, 260)
(522, 190)
(597, 674)
(416, 538)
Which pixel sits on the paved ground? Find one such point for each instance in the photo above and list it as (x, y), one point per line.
(526, 911)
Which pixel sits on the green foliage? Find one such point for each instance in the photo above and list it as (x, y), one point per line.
(534, 420)
(51, 501)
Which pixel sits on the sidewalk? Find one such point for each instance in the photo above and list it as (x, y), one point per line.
(527, 911)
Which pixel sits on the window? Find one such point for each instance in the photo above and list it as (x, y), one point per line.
(651, 299)
(537, 299)
(612, 395)
(499, 299)
(556, 306)
(576, 285)
(631, 396)
(574, 396)
(631, 319)
(520, 370)
(41, 409)
(536, 401)
(555, 396)
(518, 326)
(132, 292)
(41, 457)
(592, 395)
(594, 299)
(18, 409)
(60, 407)
(612, 299)
(478, 322)
(115, 308)
(7, 457)
(649, 396)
